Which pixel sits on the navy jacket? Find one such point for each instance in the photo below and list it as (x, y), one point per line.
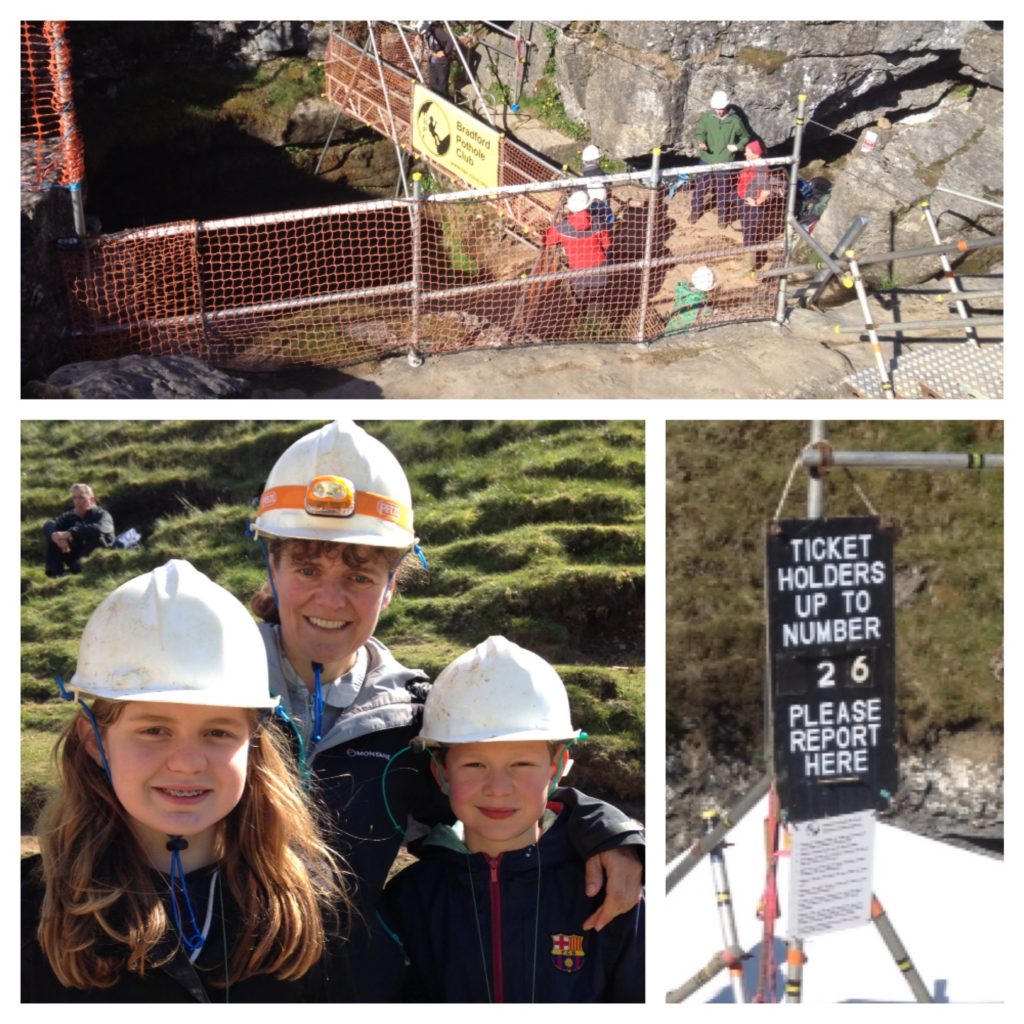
(374, 788)
(509, 929)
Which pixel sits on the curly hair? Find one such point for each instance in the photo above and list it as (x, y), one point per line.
(102, 913)
(355, 556)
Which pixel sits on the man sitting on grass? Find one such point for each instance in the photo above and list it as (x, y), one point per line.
(77, 532)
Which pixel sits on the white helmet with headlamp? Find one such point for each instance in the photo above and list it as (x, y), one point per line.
(338, 484)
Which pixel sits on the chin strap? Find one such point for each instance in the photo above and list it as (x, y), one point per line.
(95, 728)
(318, 704)
(194, 938)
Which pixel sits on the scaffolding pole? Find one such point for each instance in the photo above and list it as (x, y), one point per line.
(780, 305)
(645, 274)
(960, 245)
(897, 326)
(821, 455)
(954, 285)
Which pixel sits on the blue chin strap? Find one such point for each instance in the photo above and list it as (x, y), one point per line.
(418, 552)
(193, 938)
(318, 703)
(95, 728)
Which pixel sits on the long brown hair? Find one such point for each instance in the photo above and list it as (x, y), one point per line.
(102, 913)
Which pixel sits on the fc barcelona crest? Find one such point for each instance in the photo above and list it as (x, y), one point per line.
(567, 952)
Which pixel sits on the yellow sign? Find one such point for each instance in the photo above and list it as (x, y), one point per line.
(453, 139)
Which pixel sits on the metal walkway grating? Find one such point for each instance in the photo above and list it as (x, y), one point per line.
(962, 370)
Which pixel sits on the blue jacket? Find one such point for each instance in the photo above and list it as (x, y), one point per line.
(509, 929)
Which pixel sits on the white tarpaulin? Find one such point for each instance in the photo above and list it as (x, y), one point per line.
(949, 907)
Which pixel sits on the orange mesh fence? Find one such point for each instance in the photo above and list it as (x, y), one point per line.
(51, 147)
(345, 284)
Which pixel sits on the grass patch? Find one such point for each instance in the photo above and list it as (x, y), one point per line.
(545, 103)
(768, 61)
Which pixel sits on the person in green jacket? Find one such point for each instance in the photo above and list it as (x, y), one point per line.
(720, 137)
(692, 301)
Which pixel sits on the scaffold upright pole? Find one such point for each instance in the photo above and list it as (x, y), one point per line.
(416, 213)
(794, 173)
(726, 915)
(645, 275)
(950, 277)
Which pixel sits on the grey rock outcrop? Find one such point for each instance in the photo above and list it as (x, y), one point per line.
(959, 147)
(252, 42)
(934, 87)
(642, 84)
(148, 377)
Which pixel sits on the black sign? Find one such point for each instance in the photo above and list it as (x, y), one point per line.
(831, 665)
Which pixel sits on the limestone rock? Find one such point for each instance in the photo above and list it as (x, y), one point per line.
(643, 84)
(957, 146)
(310, 122)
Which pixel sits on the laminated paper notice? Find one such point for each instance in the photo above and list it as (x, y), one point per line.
(830, 873)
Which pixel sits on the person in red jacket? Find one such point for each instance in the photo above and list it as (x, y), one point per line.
(761, 200)
(585, 246)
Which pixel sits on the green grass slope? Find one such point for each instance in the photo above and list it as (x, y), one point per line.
(725, 480)
(534, 530)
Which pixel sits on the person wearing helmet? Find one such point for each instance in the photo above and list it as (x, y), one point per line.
(720, 136)
(585, 246)
(179, 859)
(492, 909)
(336, 519)
(762, 205)
(601, 216)
(591, 157)
(692, 300)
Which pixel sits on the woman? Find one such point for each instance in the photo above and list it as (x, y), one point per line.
(336, 519)
(761, 205)
(179, 859)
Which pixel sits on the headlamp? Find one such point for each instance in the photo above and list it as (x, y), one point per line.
(330, 496)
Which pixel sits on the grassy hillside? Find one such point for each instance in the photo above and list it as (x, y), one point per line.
(725, 480)
(533, 530)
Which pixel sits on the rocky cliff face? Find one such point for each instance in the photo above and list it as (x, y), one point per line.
(932, 91)
(643, 84)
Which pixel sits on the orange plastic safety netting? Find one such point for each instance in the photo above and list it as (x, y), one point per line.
(341, 285)
(51, 147)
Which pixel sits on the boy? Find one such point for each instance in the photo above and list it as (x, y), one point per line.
(492, 911)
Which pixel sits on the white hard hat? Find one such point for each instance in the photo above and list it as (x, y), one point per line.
(578, 202)
(338, 484)
(496, 691)
(591, 153)
(719, 100)
(597, 193)
(703, 278)
(174, 636)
